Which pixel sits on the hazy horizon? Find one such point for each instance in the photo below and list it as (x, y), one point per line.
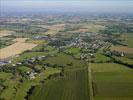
(98, 6)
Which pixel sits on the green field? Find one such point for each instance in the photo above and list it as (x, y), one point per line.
(24, 69)
(16, 90)
(112, 82)
(27, 84)
(73, 50)
(127, 39)
(29, 55)
(99, 57)
(5, 41)
(125, 60)
(73, 86)
(64, 60)
(93, 27)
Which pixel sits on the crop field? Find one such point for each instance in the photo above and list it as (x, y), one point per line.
(16, 48)
(5, 33)
(112, 82)
(125, 60)
(73, 86)
(94, 27)
(87, 27)
(122, 49)
(53, 29)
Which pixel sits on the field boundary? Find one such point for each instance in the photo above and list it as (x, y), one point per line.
(90, 82)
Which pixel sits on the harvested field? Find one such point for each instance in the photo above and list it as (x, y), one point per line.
(5, 33)
(122, 49)
(16, 48)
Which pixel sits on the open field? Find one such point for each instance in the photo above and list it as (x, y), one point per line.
(86, 27)
(73, 86)
(99, 57)
(112, 82)
(124, 60)
(93, 27)
(65, 60)
(127, 39)
(122, 49)
(16, 48)
(5, 33)
(109, 67)
(53, 29)
(29, 55)
(73, 50)
(5, 41)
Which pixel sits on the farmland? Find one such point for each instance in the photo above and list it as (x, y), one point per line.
(66, 58)
(11, 93)
(71, 87)
(122, 49)
(110, 80)
(16, 48)
(53, 29)
(101, 58)
(127, 39)
(94, 27)
(4, 33)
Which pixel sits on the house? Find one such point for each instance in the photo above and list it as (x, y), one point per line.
(122, 54)
(3, 62)
(31, 74)
(13, 65)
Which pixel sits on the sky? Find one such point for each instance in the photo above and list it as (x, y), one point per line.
(124, 6)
